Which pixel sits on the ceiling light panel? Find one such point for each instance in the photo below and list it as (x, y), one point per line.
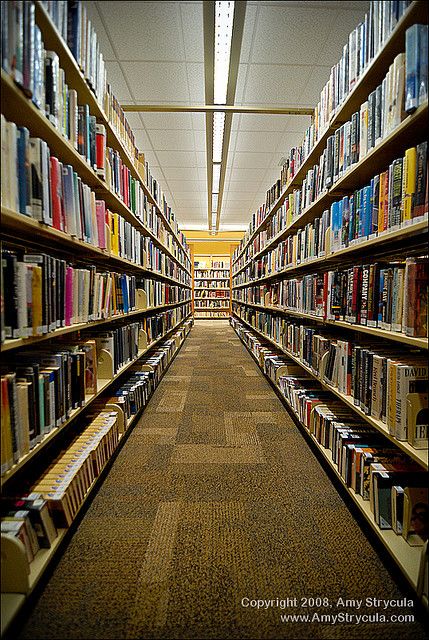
(224, 18)
(218, 130)
(216, 177)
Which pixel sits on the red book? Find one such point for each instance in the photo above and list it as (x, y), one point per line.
(100, 211)
(57, 194)
(100, 150)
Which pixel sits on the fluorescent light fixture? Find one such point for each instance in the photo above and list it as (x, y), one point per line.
(224, 18)
(218, 129)
(215, 197)
(216, 178)
(214, 217)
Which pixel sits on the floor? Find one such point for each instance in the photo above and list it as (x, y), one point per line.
(214, 502)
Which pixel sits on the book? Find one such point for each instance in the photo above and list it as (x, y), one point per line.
(416, 515)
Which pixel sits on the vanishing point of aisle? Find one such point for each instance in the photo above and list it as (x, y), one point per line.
(215, 501)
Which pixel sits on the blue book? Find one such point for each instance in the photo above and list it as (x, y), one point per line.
(352, 218)
(334, 225)
(423, 64)
(73, 31)
(366, 211)
(359, 214)
(125, 294)
(411, 68)
(380, 297)
(24, 171)
(69, 200)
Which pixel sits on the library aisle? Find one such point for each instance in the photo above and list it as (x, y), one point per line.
(215, 501)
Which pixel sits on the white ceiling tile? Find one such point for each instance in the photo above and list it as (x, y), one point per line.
(200, 141)
(239, 173)
(244, 160)
(232, 142)
(198, 121)
(249, 24)
(105, 45)
(239, 196)
(142, 141)
(144, 30)
(176, 158)
(236, 117)
(262, 122)
(193, 32)
(202, 173)
(187, 186)
(241, 82)
(134, 120)
(172, 140)
(153, 82)
(195, 71)
(275, 84)
(298, 31)
(181, 173)
(201, 158)
(116, 78)
(287, 141)
(163, 120)
(242, 186)
(257, 141)
(297, 123)
(344, 23)
(318, 78)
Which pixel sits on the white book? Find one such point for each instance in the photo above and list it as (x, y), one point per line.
(46, 197)
(5, 173)
(13, 166)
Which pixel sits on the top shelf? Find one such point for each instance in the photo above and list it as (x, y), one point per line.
(76, 80)
(369, 80)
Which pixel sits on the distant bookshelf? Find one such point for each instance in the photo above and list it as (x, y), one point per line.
(211, 286)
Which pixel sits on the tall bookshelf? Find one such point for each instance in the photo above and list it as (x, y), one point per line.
(285, 283)
(211, 287)
(135, 249)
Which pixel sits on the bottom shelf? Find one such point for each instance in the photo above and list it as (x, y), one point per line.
(11, 603)
(409, 559)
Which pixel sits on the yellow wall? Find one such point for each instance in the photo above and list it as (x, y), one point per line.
(223, 243)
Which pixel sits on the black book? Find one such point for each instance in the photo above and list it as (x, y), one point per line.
(92, 139)
(354, 138)
(329, 161)
(10, 292)
(421, 196)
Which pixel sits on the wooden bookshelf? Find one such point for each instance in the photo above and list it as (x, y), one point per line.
(198, 278)
(372, 76)
(11, 603)
(419, 455)
(102, 385)
(361, 247)
(77, 81)
(395, 336)
(408, 558)
(16, 225)
(408, 133)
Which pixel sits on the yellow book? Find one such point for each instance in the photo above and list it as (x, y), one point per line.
(37, 300)
(6, 429)
(115, 235)
(409, 183)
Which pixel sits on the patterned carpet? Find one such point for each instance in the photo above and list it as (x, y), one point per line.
(215, 497)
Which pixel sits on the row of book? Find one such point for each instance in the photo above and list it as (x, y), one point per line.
(211, 304)
(403, 89)
(370, 466)
(377, 379)
(44, 293)
(211, 314)
(210, 284)
(213, 294)
(211, 273)
(159, 293)
(38, 185)
(393, 199)
(39, 73)
(53, 501)
(386, 295)
(41, 387)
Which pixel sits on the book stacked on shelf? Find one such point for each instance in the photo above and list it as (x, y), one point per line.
(385, 478)
(381, 381)
(390, 295)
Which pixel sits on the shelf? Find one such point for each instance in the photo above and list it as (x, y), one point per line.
(369, 80)
(362, 246)
(17, 343)
(23, 227)
(211, 308)
(101, 386)
(407, 557)
(11, 603)
(419, 343)
(76, 80)
(419, 455)
(211, 279)
(211, 289)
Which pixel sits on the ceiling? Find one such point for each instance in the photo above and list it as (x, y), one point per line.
(154, 54)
